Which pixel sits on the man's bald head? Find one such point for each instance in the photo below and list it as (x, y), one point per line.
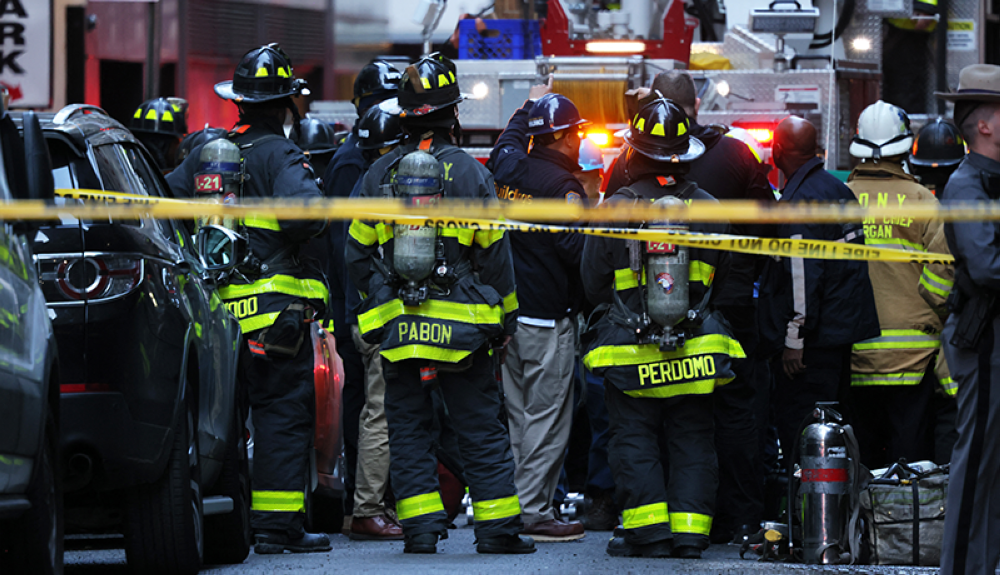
(794, 144)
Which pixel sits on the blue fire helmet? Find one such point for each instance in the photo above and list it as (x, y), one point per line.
(591, 156)
(551, 113)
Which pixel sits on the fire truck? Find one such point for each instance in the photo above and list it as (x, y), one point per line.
(821, 61)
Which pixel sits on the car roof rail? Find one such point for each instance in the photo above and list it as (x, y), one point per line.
(73, 110)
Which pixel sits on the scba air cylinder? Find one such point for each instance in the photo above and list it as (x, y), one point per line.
(667, 272)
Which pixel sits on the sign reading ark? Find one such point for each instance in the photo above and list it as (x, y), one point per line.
(26, 52)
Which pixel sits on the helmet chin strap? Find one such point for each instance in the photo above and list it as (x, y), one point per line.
(296, 120)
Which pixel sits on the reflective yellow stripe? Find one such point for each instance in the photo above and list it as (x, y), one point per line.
(621, 355)
(419, 505)
(867, 379)
(479, 313)
(420, 351)
(627, 279)
(284, 501)
(327, 325)
(645, 515)
(935, 283)
(384, 232)
(894, 243)
(306, 288)
(258, 322)
(496, 508)
(262, 222)
(465, 236)
(362, 233)
(690, 523)
(950, 387)
(510, 302)
(700, 387)
(900, 339)
(701, 272)
(486, 238)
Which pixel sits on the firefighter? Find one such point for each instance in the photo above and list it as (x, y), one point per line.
(660, 373)
(892, 378)
(375, 83)
(538, 373)
(379, 133)
(435, 332)
(591, 171)
(318, 142)
(160, 124)
(196, 140)
(277, 298)
(969, 338)
(937, 151)
(728, 170)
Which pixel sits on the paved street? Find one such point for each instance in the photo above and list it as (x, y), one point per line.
(457, 556)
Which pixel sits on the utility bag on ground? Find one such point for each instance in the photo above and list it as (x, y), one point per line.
(904, 513)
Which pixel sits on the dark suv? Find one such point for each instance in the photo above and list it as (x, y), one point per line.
(152, 420)
(31, 517)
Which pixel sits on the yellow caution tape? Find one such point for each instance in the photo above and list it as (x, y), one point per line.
(781, 247)
(539, 210)
(479, 215)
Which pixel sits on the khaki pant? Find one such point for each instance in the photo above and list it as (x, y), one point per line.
(373, 438)
(538, 383)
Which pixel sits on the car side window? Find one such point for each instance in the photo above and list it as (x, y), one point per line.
(115, 169)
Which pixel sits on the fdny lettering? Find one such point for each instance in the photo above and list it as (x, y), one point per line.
(676, 370)
(243, 308)
(884, 229)
(512, 194)
(424, 332)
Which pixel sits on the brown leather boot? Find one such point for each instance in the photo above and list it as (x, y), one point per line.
(555, 530)
(378, 528)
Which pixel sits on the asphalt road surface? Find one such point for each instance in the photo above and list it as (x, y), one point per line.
(457, 555)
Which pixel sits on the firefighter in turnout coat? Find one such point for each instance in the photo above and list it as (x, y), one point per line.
(436, 326)
(648, 385)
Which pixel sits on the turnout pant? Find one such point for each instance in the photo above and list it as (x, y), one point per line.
(472, 398)
(971, 543)
(654, 510)
(538, 381)
(892, 422)
(373, 436)
(740, 499)
(282, 397)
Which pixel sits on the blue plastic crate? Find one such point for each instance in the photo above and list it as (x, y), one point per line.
(503, 40)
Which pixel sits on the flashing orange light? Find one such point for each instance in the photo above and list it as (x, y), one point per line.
(600, 137)
(762, 135)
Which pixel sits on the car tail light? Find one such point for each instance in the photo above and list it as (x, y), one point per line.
(84, 387)
(91, 278)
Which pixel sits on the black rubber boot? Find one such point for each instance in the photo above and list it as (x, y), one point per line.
(686, 552)
(274, 542)
(601, 514)
(506, 545)
(618, 547)
(425, 543)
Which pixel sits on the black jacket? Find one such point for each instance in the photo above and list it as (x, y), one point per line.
(728, 171)
(814, 302)
(277, 169)
(546, 266)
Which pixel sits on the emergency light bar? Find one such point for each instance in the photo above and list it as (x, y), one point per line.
(773, 20)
